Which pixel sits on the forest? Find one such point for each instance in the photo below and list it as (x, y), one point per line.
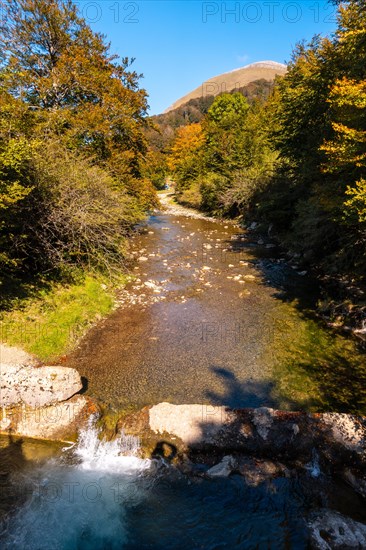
(296, 161)
(81, 161)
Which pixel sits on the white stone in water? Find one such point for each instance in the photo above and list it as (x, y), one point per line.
(223, 468)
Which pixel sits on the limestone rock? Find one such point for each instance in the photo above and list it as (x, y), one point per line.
(55, 422)
(191, 423)
(331, 530)
(346, 430)
(37, 387)
(223, 468)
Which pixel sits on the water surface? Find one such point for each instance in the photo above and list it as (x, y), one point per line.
(216, 315)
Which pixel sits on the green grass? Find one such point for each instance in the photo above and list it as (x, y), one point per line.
(51, 324)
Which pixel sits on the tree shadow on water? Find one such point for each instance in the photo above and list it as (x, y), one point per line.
(246, 394)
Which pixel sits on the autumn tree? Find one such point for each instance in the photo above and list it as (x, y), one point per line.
(56, 63)
(67, 99)
(183, 160)
(318, 127)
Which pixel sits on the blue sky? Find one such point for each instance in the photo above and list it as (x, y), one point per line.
(179, 44)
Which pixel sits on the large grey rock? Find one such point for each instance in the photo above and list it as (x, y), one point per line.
(191, 423)
(37, 387)
(55, 422)
(331, 530)
(346, 430)
(223, 468)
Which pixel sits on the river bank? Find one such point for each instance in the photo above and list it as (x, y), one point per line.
(342, 300)
(49, 320)
(215, 315)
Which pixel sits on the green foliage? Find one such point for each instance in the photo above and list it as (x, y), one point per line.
(212, 187)
(73, 178)
(355, 206)
(228, 158)
(228, 110)
(156, 169)
(319, 129)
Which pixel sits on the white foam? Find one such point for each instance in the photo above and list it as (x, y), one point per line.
(81, 505)
(118, 455)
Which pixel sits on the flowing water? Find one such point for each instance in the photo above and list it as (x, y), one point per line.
(98, 495)
(212, 316)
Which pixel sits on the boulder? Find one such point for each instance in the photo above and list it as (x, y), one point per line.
(346, 430)
(223, 468)
(37, 387)
(56, 422)
(11, 355)
(190, 423)
(330, 530)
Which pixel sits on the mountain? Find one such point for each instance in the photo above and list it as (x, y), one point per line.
(236, 79)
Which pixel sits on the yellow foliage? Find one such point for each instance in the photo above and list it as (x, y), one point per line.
(348, 146)
(188, 141)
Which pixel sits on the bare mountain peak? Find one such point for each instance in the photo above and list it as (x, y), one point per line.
(235, 79)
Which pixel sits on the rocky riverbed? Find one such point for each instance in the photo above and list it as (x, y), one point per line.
(213, 348)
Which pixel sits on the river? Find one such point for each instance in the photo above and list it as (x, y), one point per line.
(214, 314)
(214, 317)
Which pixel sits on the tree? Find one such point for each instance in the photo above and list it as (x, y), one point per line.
(72, 144)
(184, 159)
(57, 64)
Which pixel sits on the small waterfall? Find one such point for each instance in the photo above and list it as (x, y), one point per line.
(313, 467)
(118, 455)
(82, 504)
